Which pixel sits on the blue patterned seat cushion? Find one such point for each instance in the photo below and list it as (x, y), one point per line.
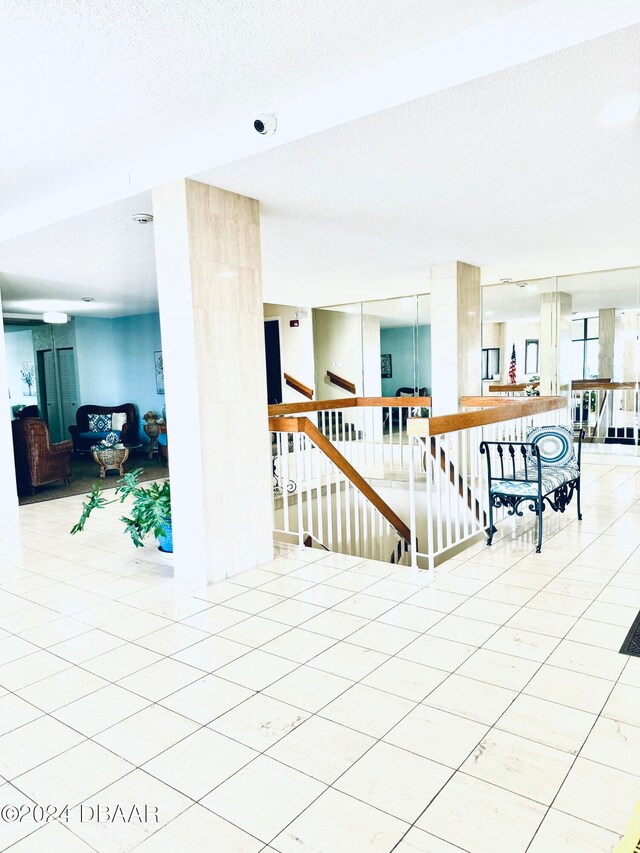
(552, 477)
(99, 422)
(554, 443)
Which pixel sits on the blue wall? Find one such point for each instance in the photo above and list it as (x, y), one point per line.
(115, 359)
(399, 342)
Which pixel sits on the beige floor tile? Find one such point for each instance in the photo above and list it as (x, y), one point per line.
(298, 645)
(255, 631)
(394, 590)
(206, 699)
(307, 688)
(553, 602)
(541, 622)
(249, 601)
(145, 734)
(497, 668)
(613, 614)
(198, 829)
(211, 653)
(547, 723)
(522, 644)
(411, 617)
(215, 619)
(498, 591)
(86, 646)
(475, 815)
(590, 660)
(560, 831)
(520, 765)
(160, 679)
(438, 735)
(321, 748)
(631, 673)
(367, 710)
(599, 794)
(61, 689)
(52, 836)
(334, 624)
(623, 704)
(382, 637)
(436, 599)
(137, 788)
(121, 661)
(33, 743)
(472, 699)
(418, 841)
(259, 722)
(27, 670)
(348, 660)
(292, 612)
(277, 793)
(364, 605)
(410, 781)
(463, 630)
(74, 775)
(100, 710)
(15, 712)
(171, 639)
(615, 744)
(575, 689)
(405, 678)
(200, 762)
(494, 612)
(13, 831)
(55, 632)
(324, 595)
(598, 634)
(256, 670)
(437, 652)
(338, 823)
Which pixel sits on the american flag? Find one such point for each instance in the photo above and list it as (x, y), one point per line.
(512, 366)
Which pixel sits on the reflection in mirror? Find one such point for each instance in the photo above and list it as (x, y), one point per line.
(338, 355)
(397, 328)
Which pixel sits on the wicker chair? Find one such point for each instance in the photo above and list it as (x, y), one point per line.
(37, 460)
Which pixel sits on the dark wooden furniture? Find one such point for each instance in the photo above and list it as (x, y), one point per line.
(37, 460)
(84, 439)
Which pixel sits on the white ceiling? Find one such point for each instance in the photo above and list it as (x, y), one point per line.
(513, 171)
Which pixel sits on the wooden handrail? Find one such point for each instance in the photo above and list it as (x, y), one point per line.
(345, 384)
(599, 385)
(452, 423)
(304, 425)
(348, 403)
(486, 402)
(517, 386)
(298, 386)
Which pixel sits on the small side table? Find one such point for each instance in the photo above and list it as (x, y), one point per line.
(112, 459)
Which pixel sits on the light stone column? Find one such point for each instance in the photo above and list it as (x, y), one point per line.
(8, 490)
(456, 348)
(555, 343)
(606, 344)
(211, 313)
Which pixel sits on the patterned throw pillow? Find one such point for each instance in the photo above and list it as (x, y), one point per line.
(554, 443)
(99, 423)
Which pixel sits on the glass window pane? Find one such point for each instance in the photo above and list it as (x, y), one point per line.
(592, 327)
(493, 367)
(591, 360)
(577, 330)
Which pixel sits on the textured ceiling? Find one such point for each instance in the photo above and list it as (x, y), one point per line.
(514, 172)
(88, 84)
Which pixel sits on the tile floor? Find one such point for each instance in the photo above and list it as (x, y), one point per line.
(322, 703)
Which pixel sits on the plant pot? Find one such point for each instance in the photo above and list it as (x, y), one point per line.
(165, 541)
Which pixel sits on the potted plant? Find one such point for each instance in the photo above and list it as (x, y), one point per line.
(150, 510)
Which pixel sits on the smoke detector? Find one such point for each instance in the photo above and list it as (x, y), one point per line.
(143, 218)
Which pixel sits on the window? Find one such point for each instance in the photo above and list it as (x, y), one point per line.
(531, 357)
(584, 346)
(490, 363)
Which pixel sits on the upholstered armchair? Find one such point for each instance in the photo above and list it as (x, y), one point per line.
(84, 438)
(37, 460)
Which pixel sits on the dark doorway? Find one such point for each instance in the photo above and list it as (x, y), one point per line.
(274, 364)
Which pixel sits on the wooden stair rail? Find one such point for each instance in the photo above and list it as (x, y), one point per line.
(351, 403)
(298, 386)
(520, 408)
(516, 386)
(304, 425)
(345, 384)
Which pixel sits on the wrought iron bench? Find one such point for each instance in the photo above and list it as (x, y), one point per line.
(545, 468)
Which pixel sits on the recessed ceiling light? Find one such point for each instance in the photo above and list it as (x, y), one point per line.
(55, 317)
(142, 218)
(621, 109)
(88, 299)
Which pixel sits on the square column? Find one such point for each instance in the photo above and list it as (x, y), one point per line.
(456, 348)
(8, 489)
(555, 343)
(211, 314)
(607, 338)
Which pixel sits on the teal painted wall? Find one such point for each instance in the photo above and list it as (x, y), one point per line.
(115, 361)
(399, 341)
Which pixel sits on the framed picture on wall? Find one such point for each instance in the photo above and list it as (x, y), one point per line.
(28, 376)
(386, 369)
(531, 356)
(159, 372)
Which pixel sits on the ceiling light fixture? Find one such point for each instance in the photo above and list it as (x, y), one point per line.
(621, 109)
(55, 317)
(142, 218)
(88, 299)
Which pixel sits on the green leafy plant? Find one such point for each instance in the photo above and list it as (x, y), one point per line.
(150, 510)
